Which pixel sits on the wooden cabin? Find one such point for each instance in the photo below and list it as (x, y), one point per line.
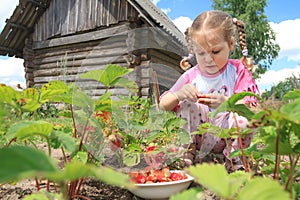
(60, 39)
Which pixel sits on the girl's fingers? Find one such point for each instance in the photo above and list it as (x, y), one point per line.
(206, 101)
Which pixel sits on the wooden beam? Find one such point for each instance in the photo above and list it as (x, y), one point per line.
(84, 37)
(10, 50)
(39, 3)
(20, 26)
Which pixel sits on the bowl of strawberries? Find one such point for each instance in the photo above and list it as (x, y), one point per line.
(159, 183)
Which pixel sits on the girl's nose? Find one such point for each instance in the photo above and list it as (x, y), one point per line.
(208, 58)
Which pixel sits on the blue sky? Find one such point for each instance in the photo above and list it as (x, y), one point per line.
(284, 17)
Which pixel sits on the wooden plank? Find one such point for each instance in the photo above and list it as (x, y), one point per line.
(100, 13)
(114, 11)
(66, 20)
(81, 48)
(86, 64)
(123, 10)
(57, 17)
(105, 13)
(84, 37)
(81, 15)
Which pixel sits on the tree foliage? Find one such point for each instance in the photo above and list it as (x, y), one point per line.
(283, 87)
(259, 34)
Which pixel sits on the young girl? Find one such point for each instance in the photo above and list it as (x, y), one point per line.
(202, 88)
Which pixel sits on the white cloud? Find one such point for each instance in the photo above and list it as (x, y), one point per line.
(272, 77)
(287, 36)
(12, 72)
(182, 23)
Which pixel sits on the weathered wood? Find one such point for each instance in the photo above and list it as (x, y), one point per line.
(82, 56)
(42, 71)
(166, 58)
(84, 37)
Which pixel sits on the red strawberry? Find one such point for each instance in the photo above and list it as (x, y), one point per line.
(137, 177)
(176, 176)
(150, 148)
(160, 176)
(151, 178)
(166, 172)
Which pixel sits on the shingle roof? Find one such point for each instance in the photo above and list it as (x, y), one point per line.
(149, 10)
(19, 25)
(26, 14)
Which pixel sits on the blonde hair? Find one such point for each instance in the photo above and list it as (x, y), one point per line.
(215, 19)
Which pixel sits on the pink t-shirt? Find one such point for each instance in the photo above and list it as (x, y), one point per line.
(233, 78)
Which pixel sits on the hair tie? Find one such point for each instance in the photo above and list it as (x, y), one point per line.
(245, 52)
(190, 56)
(234, 20)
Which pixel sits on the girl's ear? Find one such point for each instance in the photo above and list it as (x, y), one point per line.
(231, 44)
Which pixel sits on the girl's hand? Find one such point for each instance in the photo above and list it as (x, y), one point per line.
(188, 92)
(212, 100)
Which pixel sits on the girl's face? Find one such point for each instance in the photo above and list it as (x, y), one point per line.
(211, 50)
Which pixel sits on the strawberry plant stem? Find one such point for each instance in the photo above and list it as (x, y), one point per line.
(277, 154)
(247, 168)
(292, 170)
(73, 119)
(79, 186)
(37, 184)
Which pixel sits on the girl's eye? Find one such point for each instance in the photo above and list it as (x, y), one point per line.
(202, 53)
(215, 52)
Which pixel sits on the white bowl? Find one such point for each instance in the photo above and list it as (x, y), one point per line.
(161, 190)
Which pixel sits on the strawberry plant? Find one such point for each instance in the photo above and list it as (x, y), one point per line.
(76, 132)
(274, 154)
(139, 130)
(237, 185)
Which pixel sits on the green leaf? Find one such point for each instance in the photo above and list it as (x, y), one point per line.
(25, 129)
(212, 176)
(262, 189)
(81, 156)
(131, 158)
(193, 193)
(292, 110)
(232, 105)
(82, 100)
(20, 162)
(56, 91)
(113, 177)
(215, 178)
(109, 76)
(240, 96)
(4, 111)
(252, 150)
(31, 96)
(284, 147)
(236, 181)
(104, 102)
(184, 136)
(8, 95)
(72, 171)
(291, 95)
(67, 141)
(126, 83)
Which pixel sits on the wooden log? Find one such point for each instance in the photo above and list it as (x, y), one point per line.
(84, 37)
